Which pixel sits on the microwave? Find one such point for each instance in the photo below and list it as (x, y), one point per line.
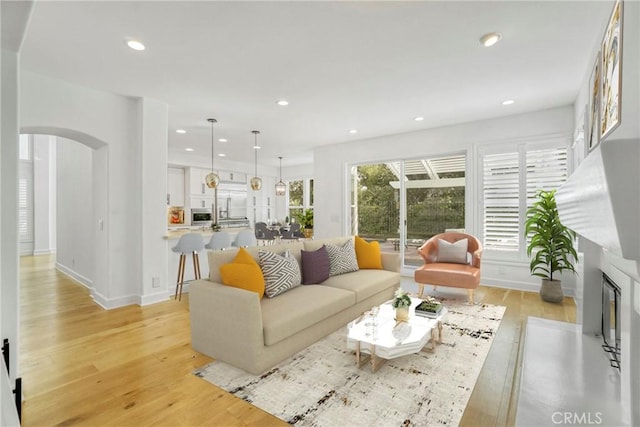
(201, 216)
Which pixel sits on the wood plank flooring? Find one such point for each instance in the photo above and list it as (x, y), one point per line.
(132, 366)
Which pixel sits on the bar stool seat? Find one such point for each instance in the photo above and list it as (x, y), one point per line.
(220, 240)
(190, 243)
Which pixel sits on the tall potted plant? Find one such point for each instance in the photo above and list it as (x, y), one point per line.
(551, 245)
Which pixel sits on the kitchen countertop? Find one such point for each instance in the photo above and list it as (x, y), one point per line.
(174, 233)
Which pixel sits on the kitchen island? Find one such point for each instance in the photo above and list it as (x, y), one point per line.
(171, 239)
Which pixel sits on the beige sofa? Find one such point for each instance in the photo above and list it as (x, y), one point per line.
(233, 325)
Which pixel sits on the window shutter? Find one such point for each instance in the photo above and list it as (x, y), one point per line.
(501, 201)
(25, 203)
(546, 170)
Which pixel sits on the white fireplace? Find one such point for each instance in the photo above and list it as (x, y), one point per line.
(601, 202)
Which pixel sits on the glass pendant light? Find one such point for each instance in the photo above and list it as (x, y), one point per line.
(256, 181)
(212, 179)
(281, 187)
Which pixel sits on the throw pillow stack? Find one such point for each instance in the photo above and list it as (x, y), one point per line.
(277, 273)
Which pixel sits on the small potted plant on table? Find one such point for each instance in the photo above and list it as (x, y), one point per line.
(401, 302)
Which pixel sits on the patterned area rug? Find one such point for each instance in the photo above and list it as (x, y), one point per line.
(321, 385)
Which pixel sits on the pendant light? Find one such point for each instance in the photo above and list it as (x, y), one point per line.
(212, 179)
(256, 181)
(281, 187)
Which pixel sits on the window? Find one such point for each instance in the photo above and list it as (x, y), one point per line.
(509, 184)
(296, 198)
(25, 190)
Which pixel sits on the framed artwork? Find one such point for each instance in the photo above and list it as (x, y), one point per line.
(611, 73)
(593, 108)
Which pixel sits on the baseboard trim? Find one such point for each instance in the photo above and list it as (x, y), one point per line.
(44, 252)
(154, 298)
(110, 304)
(84, 281)
(522, 286)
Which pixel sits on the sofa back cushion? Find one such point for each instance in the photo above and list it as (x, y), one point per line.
(312, 245)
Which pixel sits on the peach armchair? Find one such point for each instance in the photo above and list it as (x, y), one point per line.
(455, 268)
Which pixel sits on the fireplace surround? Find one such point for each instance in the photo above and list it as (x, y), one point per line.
(610, 321)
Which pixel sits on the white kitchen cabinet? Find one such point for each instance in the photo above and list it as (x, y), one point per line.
(175, 187)
(197, 182)
(201, 202)
(238, 177)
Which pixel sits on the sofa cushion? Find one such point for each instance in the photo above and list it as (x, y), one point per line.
(364, 283)
(342, 259)
(312, 245)
(315, 266)
(217, 258)
(244, 273)
(368, 253)
(453, 252)
(281, 272)
(301, 308)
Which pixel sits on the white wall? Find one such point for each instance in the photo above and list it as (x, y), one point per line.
(330, 166)
(44, 194)
(111, 125)
(74, 213)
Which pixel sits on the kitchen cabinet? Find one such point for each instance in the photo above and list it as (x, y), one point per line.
(201, 202)
(238, 177)
(175, 187)
(197, 185)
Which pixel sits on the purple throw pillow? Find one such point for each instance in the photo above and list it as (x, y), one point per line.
(315, 266)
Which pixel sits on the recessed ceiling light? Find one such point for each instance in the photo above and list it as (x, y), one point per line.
(418, 119)
(508, 102)
(135, 44)
(256, 147)
(181, 131)
(188, 149)
(352, 131)
(222, 140)
(282, 102)
(221, 155)
(490, 39)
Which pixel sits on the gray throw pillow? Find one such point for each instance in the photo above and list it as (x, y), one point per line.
(342, 259)
(281, 272)
(315, 266)
(453, 252)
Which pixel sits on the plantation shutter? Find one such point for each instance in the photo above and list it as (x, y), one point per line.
(501, 201)
(546, 170)
(25, 203)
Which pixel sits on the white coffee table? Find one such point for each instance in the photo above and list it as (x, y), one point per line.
(389, 338)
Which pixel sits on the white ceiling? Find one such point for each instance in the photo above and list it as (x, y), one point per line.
(372, 66)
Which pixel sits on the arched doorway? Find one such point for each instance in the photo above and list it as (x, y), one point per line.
(83, 238)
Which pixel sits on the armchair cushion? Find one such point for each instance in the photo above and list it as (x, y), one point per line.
(453, 252)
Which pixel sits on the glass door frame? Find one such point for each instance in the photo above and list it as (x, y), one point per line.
(407, 270)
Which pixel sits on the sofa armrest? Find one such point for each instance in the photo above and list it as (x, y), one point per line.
(390, 261)
(226, 322)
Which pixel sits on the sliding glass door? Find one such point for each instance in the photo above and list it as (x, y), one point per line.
(401, 204)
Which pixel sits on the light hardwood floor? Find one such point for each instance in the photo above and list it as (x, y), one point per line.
(132, 366)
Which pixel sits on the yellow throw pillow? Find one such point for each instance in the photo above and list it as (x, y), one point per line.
(244, 273)
(368, 254)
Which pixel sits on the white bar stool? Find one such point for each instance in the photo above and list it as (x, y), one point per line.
(190, 243)
(219, 240)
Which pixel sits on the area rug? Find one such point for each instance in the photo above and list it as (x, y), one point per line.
(321, 385)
